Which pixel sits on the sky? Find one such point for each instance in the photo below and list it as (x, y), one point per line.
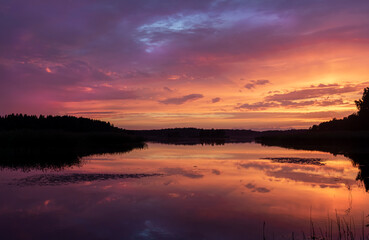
(252, 64)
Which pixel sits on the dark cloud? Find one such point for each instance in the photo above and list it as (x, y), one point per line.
(215, 100)
(182, 100)
(253, 83)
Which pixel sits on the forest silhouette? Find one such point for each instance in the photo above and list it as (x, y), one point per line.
(63, 123)
(39, 142)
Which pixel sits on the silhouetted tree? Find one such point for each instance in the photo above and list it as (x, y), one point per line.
(363, 104)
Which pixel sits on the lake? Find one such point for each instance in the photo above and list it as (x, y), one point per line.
(231, 191)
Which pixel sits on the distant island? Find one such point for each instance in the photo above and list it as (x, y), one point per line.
(192, 136)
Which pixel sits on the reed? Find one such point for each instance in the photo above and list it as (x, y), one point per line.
(340, 228)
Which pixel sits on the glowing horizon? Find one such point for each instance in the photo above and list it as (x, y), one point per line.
(210, 64)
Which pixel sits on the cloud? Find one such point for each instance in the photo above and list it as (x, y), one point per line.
(56, 179)
(258, 105)
(288, 104)
(250, 186)
(330, 102)
(253, 83)
(257, 189)
(215, 100)
(315, 95)
(300, 173)
(306, 177)
(167, 89)
(215, 171)
(315, 92)
(182, 100)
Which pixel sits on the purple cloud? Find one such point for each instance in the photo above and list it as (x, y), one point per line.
(315, 91)
(257, 189)
(287, 103)
(167, 89)
(310, 96)
(258, 105)
(182, 100)
(253, 83)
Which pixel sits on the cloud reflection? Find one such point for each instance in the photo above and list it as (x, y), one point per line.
(62, 179)
(310, 171)
(183, 172)
(254, 188)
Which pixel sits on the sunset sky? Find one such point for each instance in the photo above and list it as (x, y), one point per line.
(253, 64)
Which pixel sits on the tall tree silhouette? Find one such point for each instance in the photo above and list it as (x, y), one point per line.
(363, 104)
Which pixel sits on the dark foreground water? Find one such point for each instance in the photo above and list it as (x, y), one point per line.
(185, 192)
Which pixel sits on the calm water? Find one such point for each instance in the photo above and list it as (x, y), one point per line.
(202, 192)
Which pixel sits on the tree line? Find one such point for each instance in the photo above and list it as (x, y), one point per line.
(65, 123)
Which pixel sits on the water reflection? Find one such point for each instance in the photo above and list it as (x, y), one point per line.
(316, 175)
(60, 179)
(55, 157)
(356, 151)
(203, 192)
